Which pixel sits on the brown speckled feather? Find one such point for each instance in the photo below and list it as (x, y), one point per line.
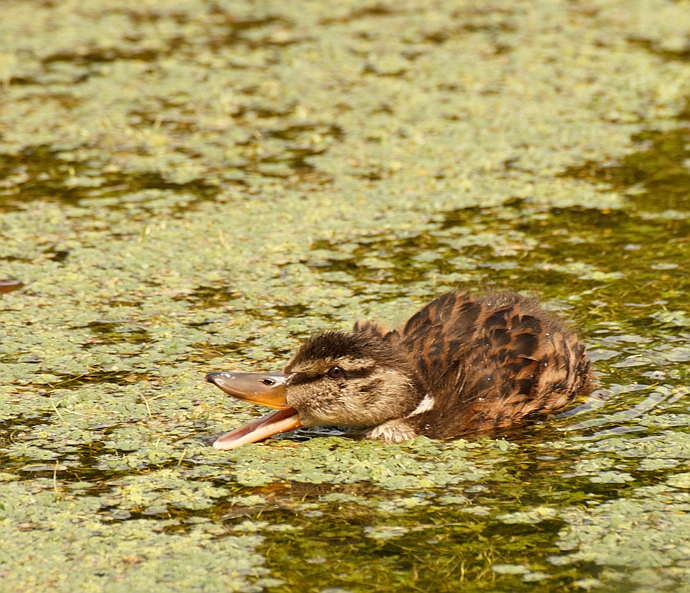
(490, 362)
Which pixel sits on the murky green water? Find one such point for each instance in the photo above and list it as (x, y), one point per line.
(188, 186)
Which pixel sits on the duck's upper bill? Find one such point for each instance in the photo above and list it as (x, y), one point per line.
(266, 389)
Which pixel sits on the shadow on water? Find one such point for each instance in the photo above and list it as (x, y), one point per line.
(64, 177)
(660, 171)
(547, 247)
(669, 55)
(230, 30)
(41, 174)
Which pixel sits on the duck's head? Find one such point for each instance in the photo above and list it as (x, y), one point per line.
(356, 379)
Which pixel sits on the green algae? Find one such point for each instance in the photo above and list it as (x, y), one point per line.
(190, 186)
(339, 461)
(54, 536)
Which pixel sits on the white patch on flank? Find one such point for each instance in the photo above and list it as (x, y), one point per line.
(424, 406)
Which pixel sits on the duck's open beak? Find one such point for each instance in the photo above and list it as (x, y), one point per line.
(266, 389)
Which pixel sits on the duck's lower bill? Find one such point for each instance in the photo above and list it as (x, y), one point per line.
(280, 421)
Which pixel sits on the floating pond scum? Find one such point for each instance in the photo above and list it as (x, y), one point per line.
(189, 186)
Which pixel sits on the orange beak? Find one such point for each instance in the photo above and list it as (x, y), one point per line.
(266, 389)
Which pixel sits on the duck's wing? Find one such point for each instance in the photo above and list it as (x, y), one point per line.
(491, 361)
(438, 336)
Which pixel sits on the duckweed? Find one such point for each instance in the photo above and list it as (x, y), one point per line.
(190, 186)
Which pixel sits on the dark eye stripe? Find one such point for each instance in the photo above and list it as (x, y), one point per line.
(306, 378)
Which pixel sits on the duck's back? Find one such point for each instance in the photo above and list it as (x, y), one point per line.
(487, 362)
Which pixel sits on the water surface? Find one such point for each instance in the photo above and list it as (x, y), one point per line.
(189, 186)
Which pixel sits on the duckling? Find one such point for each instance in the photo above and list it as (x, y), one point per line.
(462, 365)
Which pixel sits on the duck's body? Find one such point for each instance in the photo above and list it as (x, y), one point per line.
(461, 365)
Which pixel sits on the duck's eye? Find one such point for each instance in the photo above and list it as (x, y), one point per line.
(336, 373)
